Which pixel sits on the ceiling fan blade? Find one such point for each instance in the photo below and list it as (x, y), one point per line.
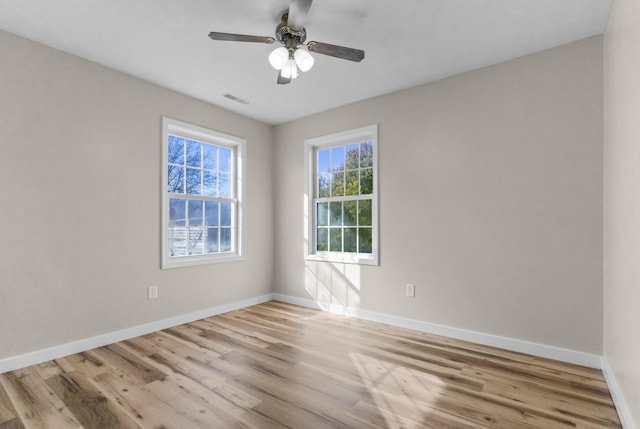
(283, 80)
(350, 54)
(298, 10)
(240, 37)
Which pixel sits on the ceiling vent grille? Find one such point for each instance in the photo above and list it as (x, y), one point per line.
(234, 98)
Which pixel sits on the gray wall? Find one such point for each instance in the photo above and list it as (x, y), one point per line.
(622, 201)
(490, 201)
(80, 201)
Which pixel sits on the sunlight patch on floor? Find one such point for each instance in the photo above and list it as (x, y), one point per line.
(402, 396)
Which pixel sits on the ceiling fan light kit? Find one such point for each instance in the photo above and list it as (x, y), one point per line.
(291, 56)
(282, 60)
(304, 60)
(279, 57)
(290, 70)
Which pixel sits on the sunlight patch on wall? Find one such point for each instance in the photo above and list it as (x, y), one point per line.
(333, 284)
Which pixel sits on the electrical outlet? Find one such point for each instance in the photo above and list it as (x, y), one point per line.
(152, 292)
(410, 290)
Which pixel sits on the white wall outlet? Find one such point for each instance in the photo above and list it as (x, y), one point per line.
(152, 292)
(410, 290)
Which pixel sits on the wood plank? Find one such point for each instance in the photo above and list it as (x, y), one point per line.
(14, 423)
(139, 402)
(192, 334)
(234, 332)
(123, 358)
(552, 402)
(37, 406)
(8, 414)
(383, 418)
(48, 369)
(88, 405)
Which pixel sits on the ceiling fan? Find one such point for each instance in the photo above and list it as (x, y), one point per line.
(291, 34)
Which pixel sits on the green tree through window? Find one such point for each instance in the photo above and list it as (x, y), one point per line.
(344, 199)
(344, 184)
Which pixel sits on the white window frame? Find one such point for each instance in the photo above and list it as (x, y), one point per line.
(194, 132)
(311, 146)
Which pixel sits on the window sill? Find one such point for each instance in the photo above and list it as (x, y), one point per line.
(343, 259)
(191, 261)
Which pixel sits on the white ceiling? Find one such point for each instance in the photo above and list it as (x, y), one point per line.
(407, 43)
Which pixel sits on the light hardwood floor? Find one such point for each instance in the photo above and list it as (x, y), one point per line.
(276, 365)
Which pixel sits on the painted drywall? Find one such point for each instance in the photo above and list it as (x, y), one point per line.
(80, 200)
(490, 202)
(622, 202)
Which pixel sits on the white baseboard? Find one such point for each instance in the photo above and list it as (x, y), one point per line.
(39, 356)
(621, 404)
(541, 350)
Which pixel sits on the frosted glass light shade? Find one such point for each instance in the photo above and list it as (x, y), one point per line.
(304, 60)
(290, 70)
(279, 57)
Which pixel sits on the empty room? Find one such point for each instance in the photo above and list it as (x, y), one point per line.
(319, 214)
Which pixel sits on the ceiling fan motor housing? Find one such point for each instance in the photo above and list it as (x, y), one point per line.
(289, 37)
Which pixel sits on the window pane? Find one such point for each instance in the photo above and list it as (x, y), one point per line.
(195, 212)
(337, 158)
(323, 185)
(175, 150)
(350, 213)
(335, 239)
(364, 213)
(177, 241)
(211, 210)
(364, 236)
(225, 239)
(210, 183)
(210, 154)
(351, 240)
(352, 187)
(224, 185)
(335, 214)
(177, 212)
(194, 185)
(322, 241)
(196, 241)
(366, 181)
(225, 214)
(194, 156)
(175, 179)
(323, 161)
(212, 240)
(352, 157)
(366, 154)
(322, 214)
(225, 159)
(337, 184)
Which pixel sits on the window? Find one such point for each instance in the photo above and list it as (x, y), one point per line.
(202, 172)
(341, 184)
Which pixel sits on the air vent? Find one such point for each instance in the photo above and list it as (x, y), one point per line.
(236, 99)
